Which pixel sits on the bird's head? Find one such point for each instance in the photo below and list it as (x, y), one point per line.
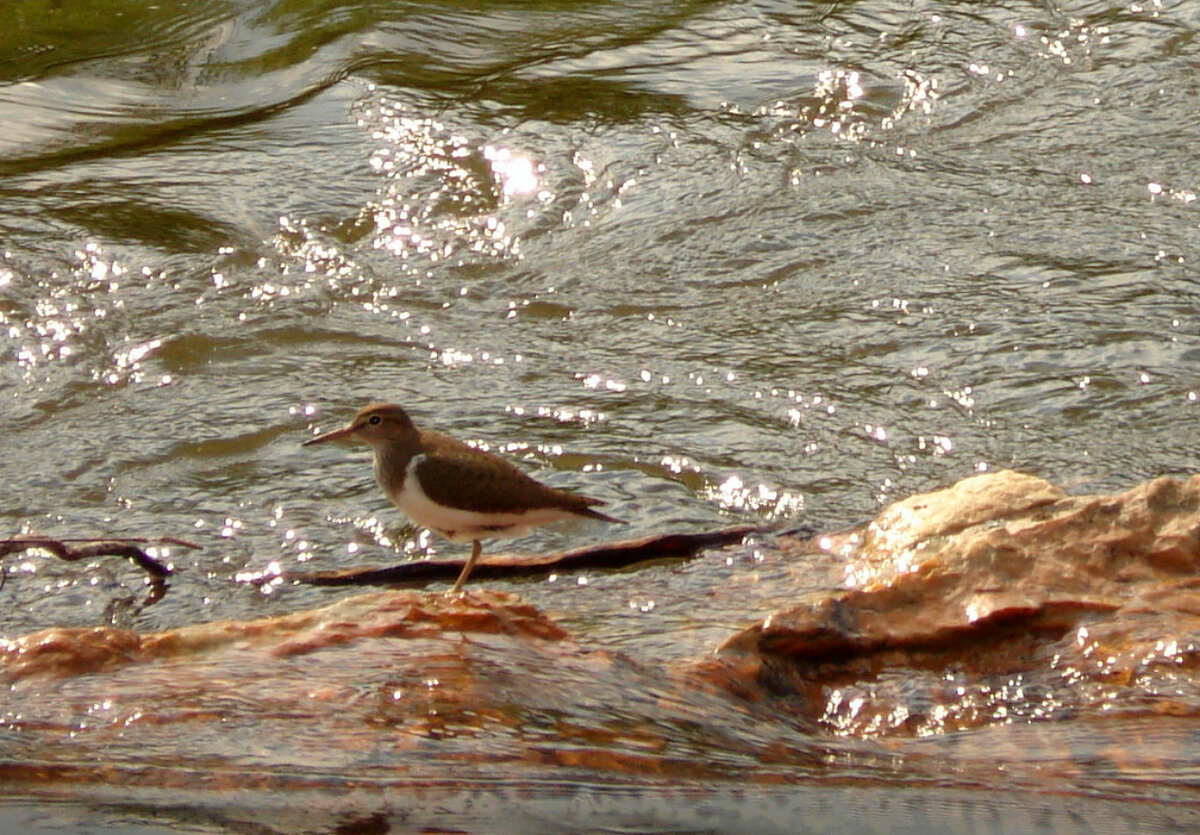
(378, 424)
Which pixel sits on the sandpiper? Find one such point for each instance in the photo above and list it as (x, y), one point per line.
(452, 488)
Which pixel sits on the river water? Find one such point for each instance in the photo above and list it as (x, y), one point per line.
(709, 262)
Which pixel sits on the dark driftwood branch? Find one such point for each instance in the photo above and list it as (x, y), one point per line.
(612, 556)
(86, 549)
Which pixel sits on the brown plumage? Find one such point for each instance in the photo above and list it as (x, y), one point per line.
(463, 493)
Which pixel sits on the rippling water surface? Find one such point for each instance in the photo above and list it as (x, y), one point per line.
(708, 262)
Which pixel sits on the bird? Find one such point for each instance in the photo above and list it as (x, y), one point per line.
(460, 492)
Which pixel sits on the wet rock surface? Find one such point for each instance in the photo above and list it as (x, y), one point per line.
(997, 597)
(997, 633)
(65, 652)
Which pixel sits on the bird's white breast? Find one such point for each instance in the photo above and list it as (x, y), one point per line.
(459, 525)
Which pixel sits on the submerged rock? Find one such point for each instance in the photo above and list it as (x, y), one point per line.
(67, 652)
(1000, 582)
(389, 686)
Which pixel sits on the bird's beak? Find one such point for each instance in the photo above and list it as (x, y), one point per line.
(336, 434)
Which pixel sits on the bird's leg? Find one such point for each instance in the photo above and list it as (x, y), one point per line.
(476, 549)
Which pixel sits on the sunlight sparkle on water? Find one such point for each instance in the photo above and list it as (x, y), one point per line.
(876, 433)
(568, 415)
(734, 494)
(517, 174)
(676, 463)
(596, 381)
(435, 203)
(937, 445)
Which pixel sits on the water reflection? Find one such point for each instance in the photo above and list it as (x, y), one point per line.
(518, 175)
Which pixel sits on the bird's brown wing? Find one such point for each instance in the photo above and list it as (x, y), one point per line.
(457, 475)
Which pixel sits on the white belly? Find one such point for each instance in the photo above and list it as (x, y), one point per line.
(466, 525)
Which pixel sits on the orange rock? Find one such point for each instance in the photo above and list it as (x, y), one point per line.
(401, 614)
(70, 651)
(998, 574)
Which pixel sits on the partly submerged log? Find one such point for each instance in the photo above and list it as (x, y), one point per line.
(610, 556)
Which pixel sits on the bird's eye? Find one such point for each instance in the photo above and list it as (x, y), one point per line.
(374, 420)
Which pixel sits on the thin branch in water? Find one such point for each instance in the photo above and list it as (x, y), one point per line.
(73, 550)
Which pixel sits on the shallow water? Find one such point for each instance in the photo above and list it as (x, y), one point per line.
(709, 262)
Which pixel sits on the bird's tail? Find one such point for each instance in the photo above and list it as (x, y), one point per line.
(589, 513)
